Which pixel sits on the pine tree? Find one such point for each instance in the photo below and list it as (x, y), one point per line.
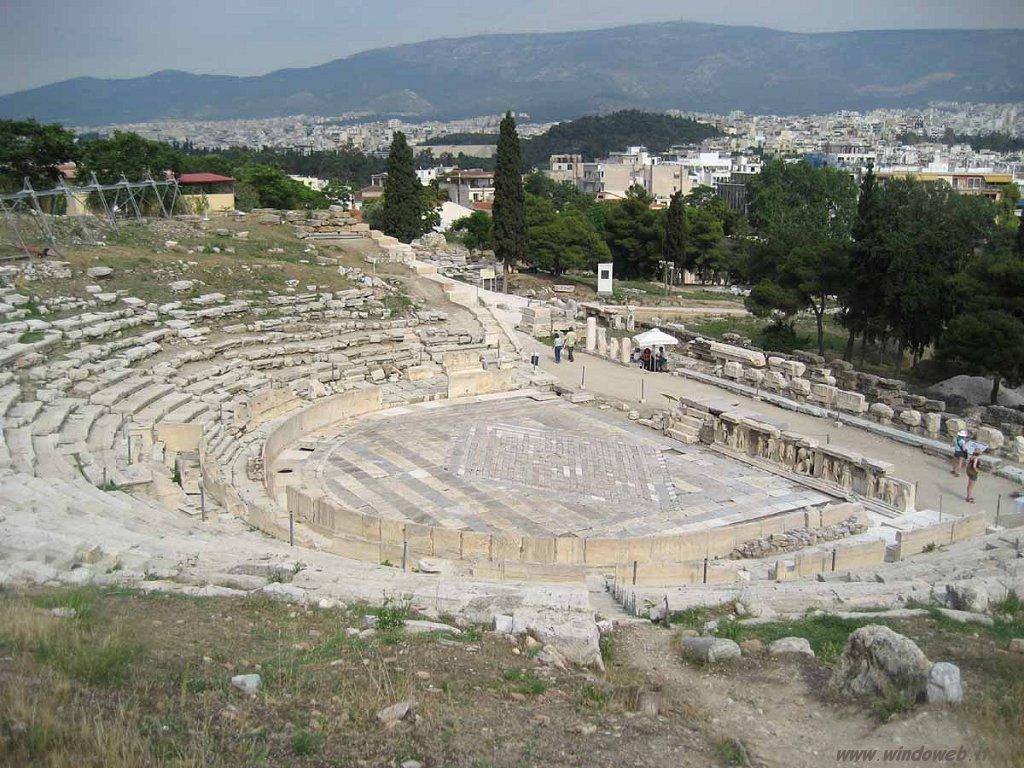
(509, 199)
(677, 232)
(402, 209)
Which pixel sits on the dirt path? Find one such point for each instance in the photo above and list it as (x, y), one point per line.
(775, 707)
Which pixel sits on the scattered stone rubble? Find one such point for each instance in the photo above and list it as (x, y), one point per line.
(798, 538)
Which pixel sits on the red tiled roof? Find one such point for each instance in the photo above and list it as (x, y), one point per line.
(487, 206)
(203, 178)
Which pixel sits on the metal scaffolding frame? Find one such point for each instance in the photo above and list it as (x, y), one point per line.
(123, 199)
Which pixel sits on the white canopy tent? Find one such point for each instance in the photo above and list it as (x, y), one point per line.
(654, 338)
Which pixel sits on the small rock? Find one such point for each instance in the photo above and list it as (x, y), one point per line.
(785, 646)
(63, 612)
(710, 649)
(503, 623)
(752, 647)
(944, 684)
(97, 272)
(395, 712)
(417, 626)
(247, 684)
(412, 764)
(1017, 645)
(649, 703)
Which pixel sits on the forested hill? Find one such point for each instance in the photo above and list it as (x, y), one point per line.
(596, 135)
(552, 76)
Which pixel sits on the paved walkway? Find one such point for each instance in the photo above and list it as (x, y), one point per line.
(936, 486)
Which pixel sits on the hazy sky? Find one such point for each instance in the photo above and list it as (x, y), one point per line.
(42, 41)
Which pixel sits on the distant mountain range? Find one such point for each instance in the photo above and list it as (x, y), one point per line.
(679, 65)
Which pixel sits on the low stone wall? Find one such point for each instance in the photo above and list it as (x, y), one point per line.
(328, 411)
(380, 539)
(921, 539)
(793, 452)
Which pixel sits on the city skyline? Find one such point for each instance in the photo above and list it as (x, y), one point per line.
(120, 39)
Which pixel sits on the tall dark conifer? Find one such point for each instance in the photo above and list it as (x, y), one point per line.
(677, 232)
(864, 297)
(402, 212)
(509, 200)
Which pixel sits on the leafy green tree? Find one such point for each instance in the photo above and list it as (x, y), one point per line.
(987, 343)
(405, 211)
(677, 233)
(706, 250)
(476, 230)
(705, 198)
(338, 192)
(275, 190)
(127, 154)
(567, 241)
(803, 217)
(986, 336)
(634, 234)
(510, 240)
(212, 163)
(929, 233)
(1018, 245)
(246, 196)
(33, 150)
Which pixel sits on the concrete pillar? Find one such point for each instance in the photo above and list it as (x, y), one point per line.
(591, 334)
(626, 349)
(613, 349)
(602, 341)
(631, 322)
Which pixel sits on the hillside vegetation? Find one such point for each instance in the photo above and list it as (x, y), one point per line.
(595, 136)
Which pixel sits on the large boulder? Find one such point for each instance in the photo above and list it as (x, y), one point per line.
(879, 662)
(573, 634)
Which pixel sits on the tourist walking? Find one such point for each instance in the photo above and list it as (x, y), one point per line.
(570, 343)
(559, 343)
(959, 451)
(973, 468)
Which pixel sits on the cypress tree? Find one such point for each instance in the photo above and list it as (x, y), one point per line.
(864, 298)
(1019, 246)
(509, 199)
(677, 232)
(402, 210)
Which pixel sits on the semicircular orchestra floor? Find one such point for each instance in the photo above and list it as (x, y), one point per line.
(540, 468)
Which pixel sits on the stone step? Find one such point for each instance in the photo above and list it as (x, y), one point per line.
(157, 410)
(104, 430)
(19, 443)
(50, 462)
(118, 392)
(141, 398)
(24, 412)
(75, 428)
(682, 436)
(9, 393)
(189, 411)
(53, 415)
